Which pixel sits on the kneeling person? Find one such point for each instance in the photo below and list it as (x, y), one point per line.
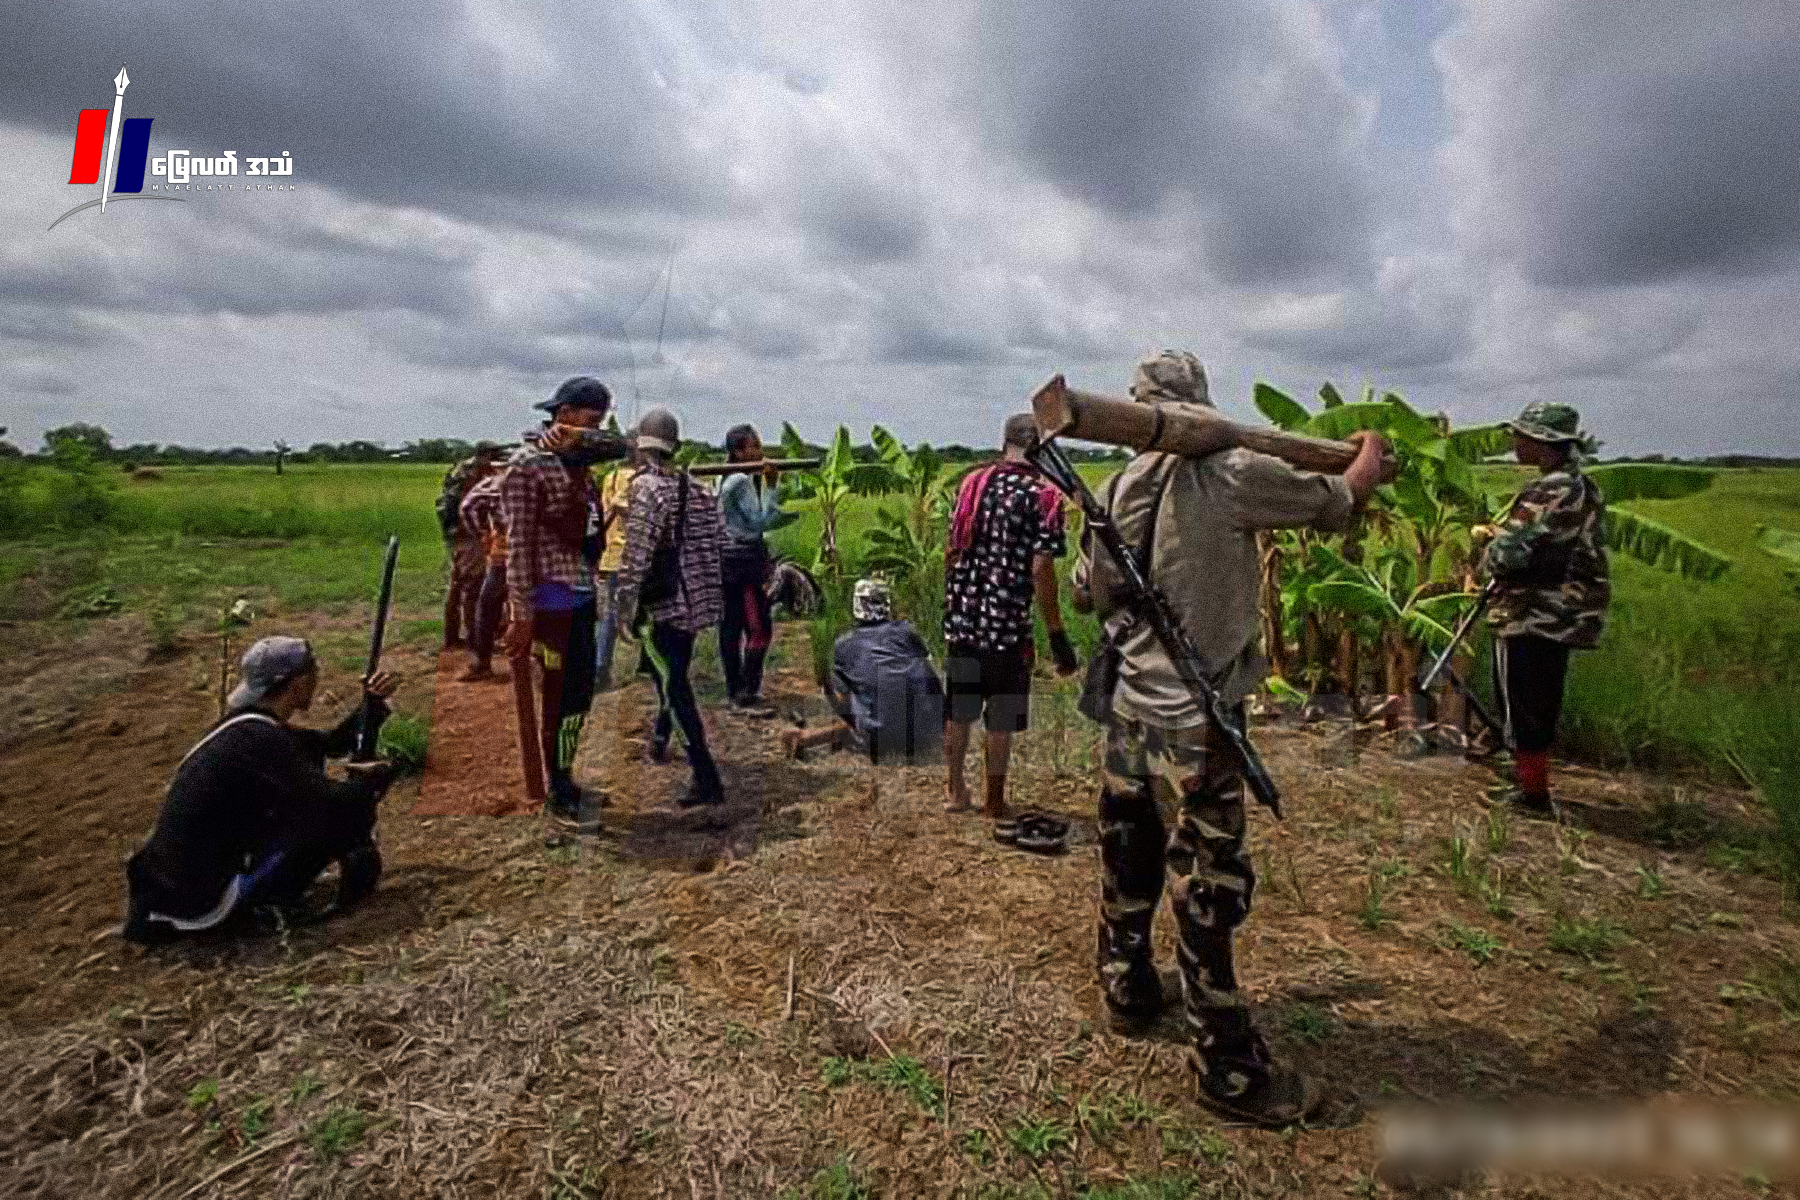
(251, 818)
(882, 687)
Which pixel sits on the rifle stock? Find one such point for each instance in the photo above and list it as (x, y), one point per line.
(368, 733)
(1147, 602)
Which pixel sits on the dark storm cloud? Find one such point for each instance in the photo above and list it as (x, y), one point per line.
(419, 104)
(1630, 143)
(244, 262)
(1130, 106)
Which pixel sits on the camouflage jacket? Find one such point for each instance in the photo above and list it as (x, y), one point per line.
(1549, 562)
(457, 482)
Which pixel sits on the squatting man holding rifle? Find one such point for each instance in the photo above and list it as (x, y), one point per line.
(251, 818)
(1193, 524)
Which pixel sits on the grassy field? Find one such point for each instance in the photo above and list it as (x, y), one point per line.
(516, 1017)
(1690, 676)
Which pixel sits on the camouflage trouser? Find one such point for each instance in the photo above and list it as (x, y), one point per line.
(1188, 771)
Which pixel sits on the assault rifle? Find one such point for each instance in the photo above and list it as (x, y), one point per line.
(369, 731)
(1147, 602)
(1442, 664)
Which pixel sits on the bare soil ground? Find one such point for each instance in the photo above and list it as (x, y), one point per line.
(833, 981)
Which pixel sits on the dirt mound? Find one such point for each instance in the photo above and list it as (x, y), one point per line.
(473, 767)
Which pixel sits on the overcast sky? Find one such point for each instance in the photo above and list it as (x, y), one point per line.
(908, 213)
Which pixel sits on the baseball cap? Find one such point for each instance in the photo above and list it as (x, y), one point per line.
(266, 666)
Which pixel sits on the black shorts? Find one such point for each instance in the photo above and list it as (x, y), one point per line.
(990, 686)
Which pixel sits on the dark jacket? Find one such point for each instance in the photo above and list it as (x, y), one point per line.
(883, 685)
(249, 787)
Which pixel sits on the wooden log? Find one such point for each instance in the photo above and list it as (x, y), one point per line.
(702, 470)
(1063, 411)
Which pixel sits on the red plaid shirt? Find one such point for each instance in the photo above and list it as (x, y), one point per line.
(545, 507)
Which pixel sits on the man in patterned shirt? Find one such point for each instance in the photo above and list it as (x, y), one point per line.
(1548, 566)
(666, 611)
(1004, 539)
(480, 524)
(549, 507)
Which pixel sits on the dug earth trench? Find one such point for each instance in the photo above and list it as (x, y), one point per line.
(838, 982)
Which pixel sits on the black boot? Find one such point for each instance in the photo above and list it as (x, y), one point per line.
(358, 873)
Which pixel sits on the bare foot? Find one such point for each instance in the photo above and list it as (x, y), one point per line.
(959, 801)
(475, 675)
(994, 804)
(790, 742)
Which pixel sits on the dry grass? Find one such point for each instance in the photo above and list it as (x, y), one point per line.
(587, 1023)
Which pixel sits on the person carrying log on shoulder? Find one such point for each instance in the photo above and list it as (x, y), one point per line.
(1547, 564)
(669, 592)
(1193, 523)
(751, 505)
(549, 508)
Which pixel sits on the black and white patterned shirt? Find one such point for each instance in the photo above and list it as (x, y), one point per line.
(988, 589)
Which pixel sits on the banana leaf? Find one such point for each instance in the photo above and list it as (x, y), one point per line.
(1649, 481)
(1353, 596)
(1477, 442)
(1329, 396)
(1661, 547)
(1782, 543)
(1279, 407)
(892, 452)
(1340, 422)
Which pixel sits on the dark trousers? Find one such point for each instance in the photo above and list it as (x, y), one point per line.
(490, 603)
(748, 624)
(468, 562)
(1190, 773)
(1529, 673)
(563, 644)
(670, 652)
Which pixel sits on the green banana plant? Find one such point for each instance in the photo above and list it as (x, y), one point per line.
(837, 478)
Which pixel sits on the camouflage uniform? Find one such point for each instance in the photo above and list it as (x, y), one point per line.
(468, 557)
(1190, 772)
(1164, 759)
(1548, 565)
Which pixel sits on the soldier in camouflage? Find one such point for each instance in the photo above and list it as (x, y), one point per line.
(1172, 797)
(468, 559)
(1547, 564)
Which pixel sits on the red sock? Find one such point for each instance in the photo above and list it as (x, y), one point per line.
(1531, 769)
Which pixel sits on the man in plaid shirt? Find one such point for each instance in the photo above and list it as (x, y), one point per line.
(550, 510)
(667, 626)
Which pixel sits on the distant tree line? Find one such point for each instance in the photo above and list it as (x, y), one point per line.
(99, 446)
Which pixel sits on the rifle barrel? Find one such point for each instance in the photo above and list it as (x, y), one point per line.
(366, 735)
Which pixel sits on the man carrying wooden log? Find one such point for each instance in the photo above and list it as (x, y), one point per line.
(1548, 566)
(550, 510)
(1193, 523)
